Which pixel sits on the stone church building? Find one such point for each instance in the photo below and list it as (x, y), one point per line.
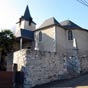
(55, 50)
(51, 36)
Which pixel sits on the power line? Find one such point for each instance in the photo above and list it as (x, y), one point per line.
(84, 2)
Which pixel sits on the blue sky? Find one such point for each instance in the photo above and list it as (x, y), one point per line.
(12, 10)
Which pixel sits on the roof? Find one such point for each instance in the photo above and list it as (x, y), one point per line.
(27, 15)
(69, 25)
(49, 22)
(25, 34)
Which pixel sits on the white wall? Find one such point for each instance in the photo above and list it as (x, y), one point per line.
(82, 40)
(69, 44)
(60, 40)
(48, 42)
(25, 25)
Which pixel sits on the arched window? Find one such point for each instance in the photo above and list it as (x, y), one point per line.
(40, 36)
(70, 35)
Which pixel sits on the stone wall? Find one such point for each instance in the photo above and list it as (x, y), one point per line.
(39, 67)
(9, 59)
(84, 63)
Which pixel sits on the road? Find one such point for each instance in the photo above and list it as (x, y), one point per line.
(82, 81)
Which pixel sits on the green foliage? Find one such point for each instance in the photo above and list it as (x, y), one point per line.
(6, 40)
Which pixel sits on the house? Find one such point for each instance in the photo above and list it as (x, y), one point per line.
(51, 36)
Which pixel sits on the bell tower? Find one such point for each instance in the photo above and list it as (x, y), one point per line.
(25, 30)
(26, 22)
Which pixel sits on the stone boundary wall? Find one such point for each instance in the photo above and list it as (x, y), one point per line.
(42, 67)
(84, 63)
(39, 67)
(9, 59)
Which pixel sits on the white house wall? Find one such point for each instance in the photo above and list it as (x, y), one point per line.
(48, 42)
(25, 25)
(60, 40)
(82, 40)
(69, 44)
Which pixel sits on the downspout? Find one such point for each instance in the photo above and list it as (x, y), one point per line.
(55, 39)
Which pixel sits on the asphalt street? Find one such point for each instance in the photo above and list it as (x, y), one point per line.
(81, 80)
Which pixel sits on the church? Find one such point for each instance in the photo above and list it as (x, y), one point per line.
(53, 51)
(52, 36)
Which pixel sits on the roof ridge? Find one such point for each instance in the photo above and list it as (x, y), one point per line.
(48, 22)
(69, 24)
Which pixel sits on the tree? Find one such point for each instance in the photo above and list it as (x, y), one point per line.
(6, 40)
(6, 45)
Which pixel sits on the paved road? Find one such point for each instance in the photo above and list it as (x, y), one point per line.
(75, 82)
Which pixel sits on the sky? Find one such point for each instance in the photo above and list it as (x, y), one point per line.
(40, 10)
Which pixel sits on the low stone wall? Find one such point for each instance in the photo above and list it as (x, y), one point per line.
(39, 67)
(84, 63)
(42, 67)
(9, 59)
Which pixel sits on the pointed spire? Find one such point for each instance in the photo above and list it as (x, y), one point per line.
(27, 15)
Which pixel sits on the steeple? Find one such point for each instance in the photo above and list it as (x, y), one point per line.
(27, 15)
(26, 22)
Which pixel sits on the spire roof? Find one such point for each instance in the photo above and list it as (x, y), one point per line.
(27, 15)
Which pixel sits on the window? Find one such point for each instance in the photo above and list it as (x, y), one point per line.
(40, 36)
(70, 35)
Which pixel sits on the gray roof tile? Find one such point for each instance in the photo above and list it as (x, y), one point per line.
(27, 15)
(69, 25)
(49, 22)
(25, 34)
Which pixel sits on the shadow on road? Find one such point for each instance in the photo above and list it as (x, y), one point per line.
(81, 80)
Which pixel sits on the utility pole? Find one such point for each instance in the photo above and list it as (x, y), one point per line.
(84, 2)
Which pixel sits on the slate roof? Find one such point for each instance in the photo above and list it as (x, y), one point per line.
(69, 25)
(49, 22)
(25, 34)
(27, 15)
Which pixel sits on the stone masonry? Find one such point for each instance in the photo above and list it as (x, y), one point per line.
(84, 63)
(39, 67)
